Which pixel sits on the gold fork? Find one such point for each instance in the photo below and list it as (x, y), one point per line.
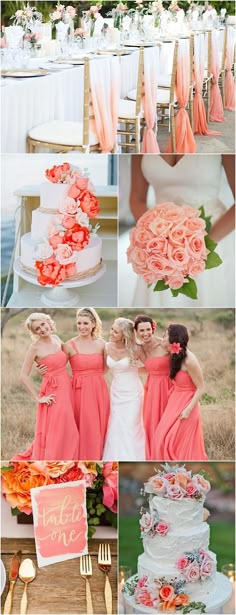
(86, 573)
(104, 563)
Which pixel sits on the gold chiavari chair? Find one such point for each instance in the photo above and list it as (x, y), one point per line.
(207, 81)
(167, 100)
(222, 71)
(130, 114)
(65, 136)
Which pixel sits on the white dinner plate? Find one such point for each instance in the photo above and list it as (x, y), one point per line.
(3, 576)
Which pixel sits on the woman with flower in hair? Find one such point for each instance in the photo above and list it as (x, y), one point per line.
(56, 434)
(86, 353)
(179, 433)
(125, 438)
(158, 385)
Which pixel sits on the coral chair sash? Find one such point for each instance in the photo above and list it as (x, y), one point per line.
(105, 86)
(216, 107)
(149, 144)
(229, 80)
(199, 113)
(185, 142)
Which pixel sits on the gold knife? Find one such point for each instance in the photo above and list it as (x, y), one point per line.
(13, 574)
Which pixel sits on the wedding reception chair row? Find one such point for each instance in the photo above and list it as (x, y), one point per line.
(97, 131)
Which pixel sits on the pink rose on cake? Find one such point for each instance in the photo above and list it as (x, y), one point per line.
(207, 567)
(147, 522)
(69, 206)
(64, 254)
(175, 492)
(175, 246)
(162, 528)
(155, 484)
(203, 484)
(192, 572)
(192, 490)
(182, 563)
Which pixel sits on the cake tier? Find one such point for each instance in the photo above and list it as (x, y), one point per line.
(41, 221)
(147, 567)
(85, 259)
(52, 196)
(176, 542)
(185, 513)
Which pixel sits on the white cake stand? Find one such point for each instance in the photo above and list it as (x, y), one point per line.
(214, 602)
(63, 294)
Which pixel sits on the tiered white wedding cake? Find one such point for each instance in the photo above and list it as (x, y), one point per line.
(177, 571)
(62, 243)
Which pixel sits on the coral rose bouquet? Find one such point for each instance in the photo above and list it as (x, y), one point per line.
(18, 478)
(170, 246)
(71, 230)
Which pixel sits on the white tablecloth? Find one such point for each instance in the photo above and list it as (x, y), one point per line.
(58, 96)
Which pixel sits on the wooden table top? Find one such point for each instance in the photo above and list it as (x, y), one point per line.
(59, 588)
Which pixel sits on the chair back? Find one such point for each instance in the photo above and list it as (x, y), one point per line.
(174, 72)
(87, 104)
(140, 80)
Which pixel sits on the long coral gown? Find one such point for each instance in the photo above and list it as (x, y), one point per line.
(56, 433)
(156, 393)
(175, 438)
(91, 402)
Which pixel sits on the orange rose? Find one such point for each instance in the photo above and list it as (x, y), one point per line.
(181, 600)
(17, 482)
(166, 592)
(168, 606)
(182, 479)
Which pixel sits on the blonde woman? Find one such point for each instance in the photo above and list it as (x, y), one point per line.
(125, 438)
(56, 434)
(86, 354)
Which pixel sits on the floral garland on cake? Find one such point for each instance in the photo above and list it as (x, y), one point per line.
(176, 483)
(71, 233)
(196, 565)
(152, 525)
(170, 246)
(162, 595)
(18, 478)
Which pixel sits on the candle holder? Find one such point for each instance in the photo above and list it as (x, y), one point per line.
(229, 571)
(124, 573)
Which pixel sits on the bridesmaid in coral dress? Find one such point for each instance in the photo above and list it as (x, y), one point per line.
(158, 385)
(86, 354)
(179, 434)
(56, 434)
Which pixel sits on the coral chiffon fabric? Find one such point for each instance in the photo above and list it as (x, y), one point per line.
(185, 142)
(229, 80)
(175, 438)
(157, 390)
(56, 434)
(216, 107)
(149, 144)
(105, 94)
(199, 113)
(91, 402)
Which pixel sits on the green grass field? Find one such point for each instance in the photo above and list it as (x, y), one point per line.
(130, 544)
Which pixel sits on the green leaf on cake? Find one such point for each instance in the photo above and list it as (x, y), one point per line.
(189, 289)
(160, 285)
(213, 260)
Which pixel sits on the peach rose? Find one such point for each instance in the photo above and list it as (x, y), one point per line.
(17, 482)
(196, 267)
(175, 281)
(155, 484)
(181, 600)
(157, 245)
(190, 212)
(195, 225)
(137, 256)
(196, 247)
(158, 264)
(63, 254)
(55, 468)
(142, 237)
(160, 227)
(56, 239)
(182, 479)
(149, 277)
(145, 220)
(177, 235)
(177, 256)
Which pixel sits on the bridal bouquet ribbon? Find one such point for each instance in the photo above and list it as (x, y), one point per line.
(170, 246)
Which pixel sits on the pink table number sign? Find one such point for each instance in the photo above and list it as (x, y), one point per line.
(60, 521)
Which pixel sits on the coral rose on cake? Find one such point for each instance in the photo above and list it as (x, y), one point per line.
(166, 592)
(89, 204)
(182, 563)
(175, 246)
(181, 600)
(77, 237)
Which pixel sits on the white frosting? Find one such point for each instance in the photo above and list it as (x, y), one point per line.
(85, 259)
(174, 543)
(185, 513)
(41, 222)
(52, 196)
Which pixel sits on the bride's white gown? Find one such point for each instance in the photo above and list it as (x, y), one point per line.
(195, 180)
(125, 439)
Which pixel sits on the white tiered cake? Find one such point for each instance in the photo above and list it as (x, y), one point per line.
(62, 244)
(177, 571)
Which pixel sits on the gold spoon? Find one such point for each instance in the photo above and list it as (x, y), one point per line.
(27, 573)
